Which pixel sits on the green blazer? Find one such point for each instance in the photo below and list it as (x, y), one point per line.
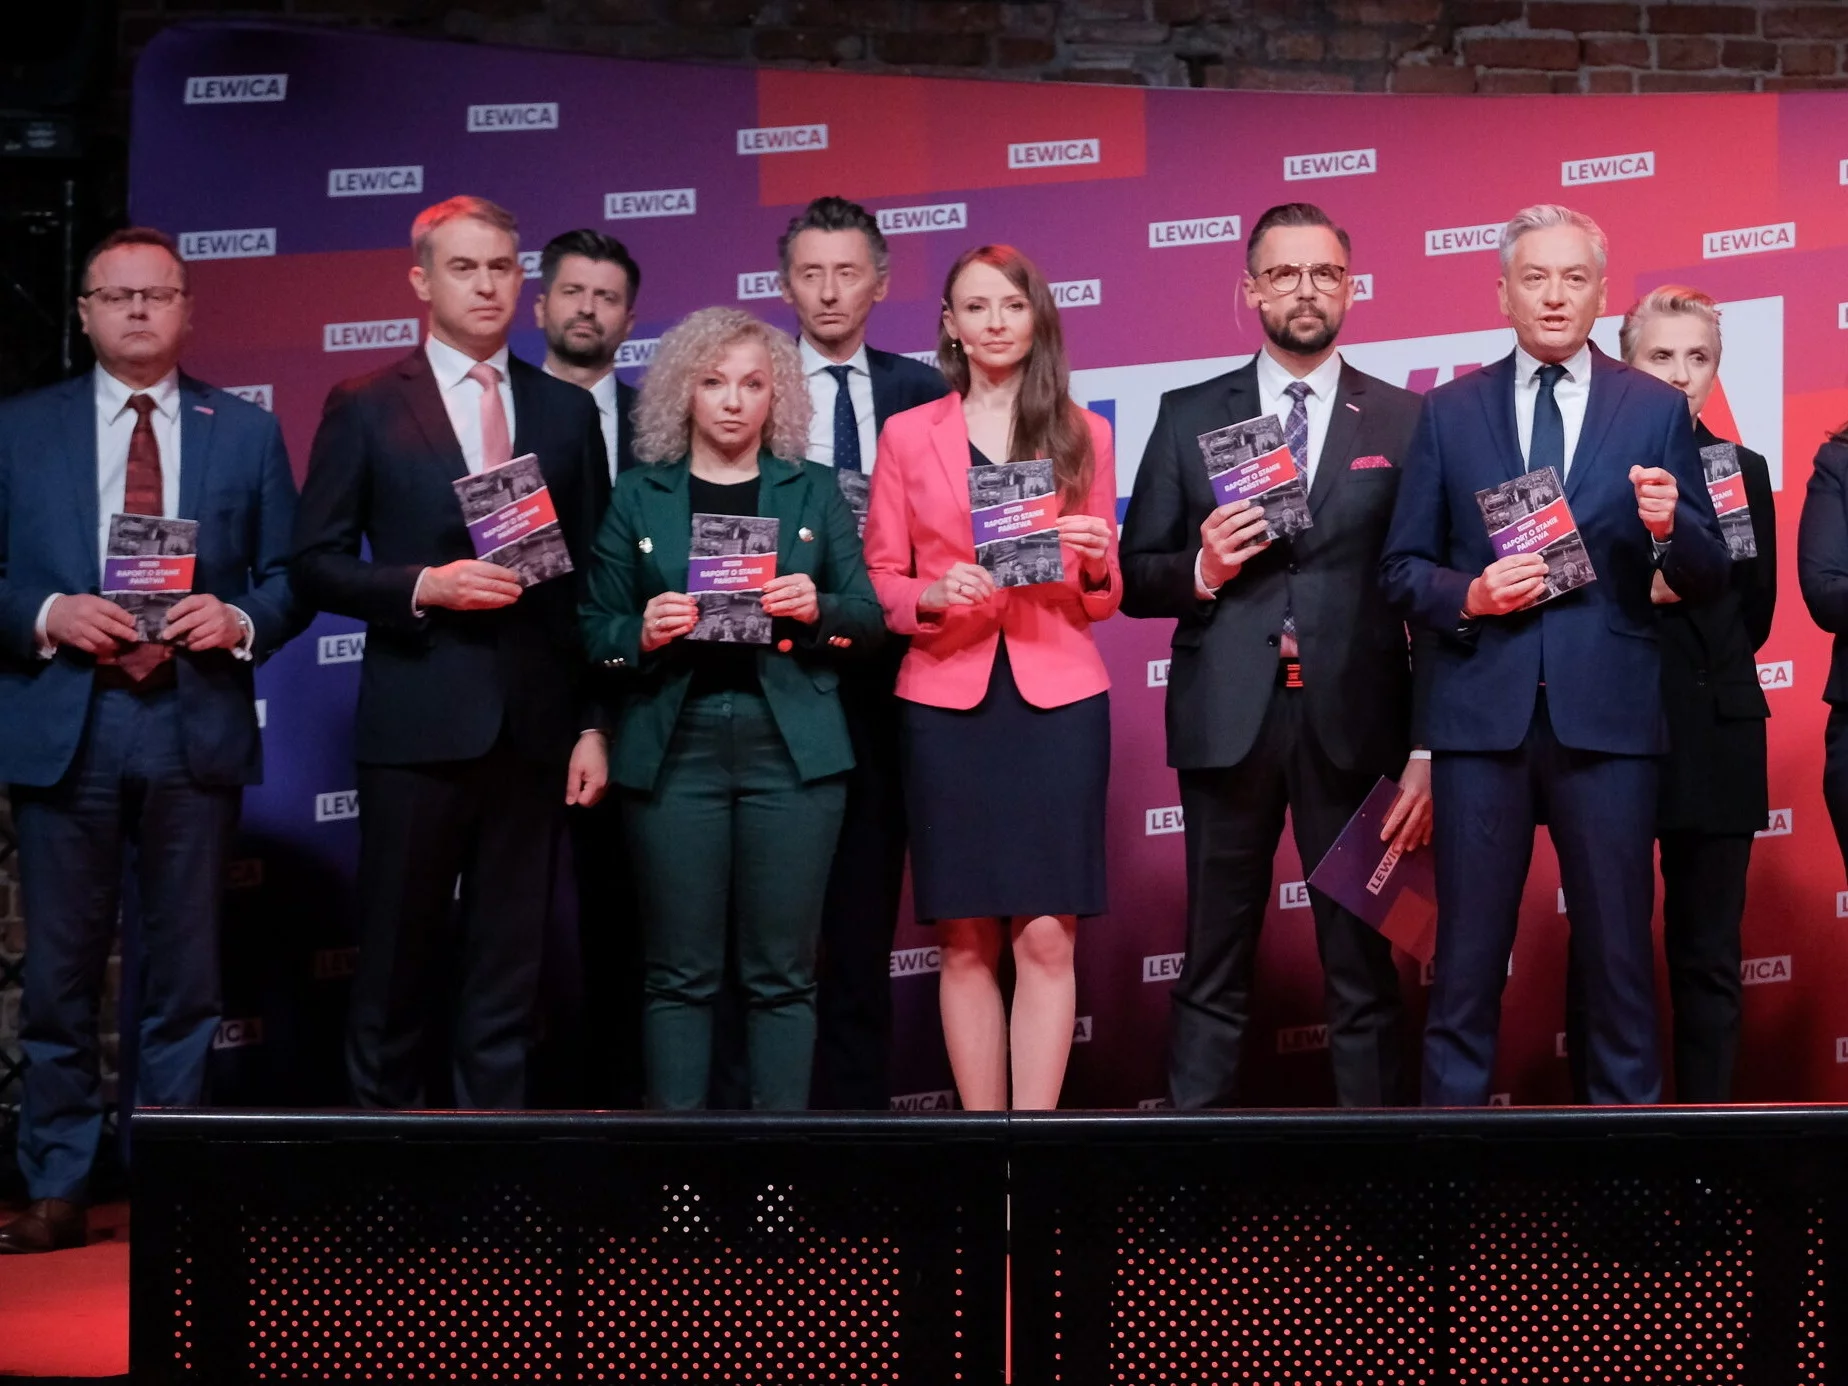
(641, 551)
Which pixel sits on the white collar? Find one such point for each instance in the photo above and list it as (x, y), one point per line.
(451, 367)
(814, 363)
(112, 395)
(604, 391)
(1273, 379)
(1578, 366)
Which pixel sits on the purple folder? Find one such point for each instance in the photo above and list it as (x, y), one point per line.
(1394, 892)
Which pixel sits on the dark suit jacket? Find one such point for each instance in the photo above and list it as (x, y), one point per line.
(1596, 647)
(1354, 651)
(234, 480)
(642, 551)
(1822, 557)
(1713, 777)
(899, 383)
(443, 685)
(625, 429)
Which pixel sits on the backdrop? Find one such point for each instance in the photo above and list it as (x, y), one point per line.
(291, 162)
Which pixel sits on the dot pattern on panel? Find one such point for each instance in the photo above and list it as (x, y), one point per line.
(1812, 1325)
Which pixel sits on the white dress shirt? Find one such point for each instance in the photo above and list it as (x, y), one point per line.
(1273, 398)
(604, 393)
(462, 396)
(1573, 392)
(823, 388)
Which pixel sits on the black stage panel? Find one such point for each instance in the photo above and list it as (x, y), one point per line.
(1660, 1245)
(584, 1247)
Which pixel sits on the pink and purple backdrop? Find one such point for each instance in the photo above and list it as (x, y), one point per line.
(291, 162)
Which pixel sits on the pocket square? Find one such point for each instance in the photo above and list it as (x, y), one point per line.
(1361, 463)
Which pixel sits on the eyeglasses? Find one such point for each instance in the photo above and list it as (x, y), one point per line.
(1283, 279)
(159, 296)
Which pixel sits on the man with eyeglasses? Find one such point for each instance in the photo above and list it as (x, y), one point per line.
(1290, 682)
(108, 741)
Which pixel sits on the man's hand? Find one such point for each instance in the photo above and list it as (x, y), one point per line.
(1230, 538)
(1507, 584)
(202, 622)
(1408, 822)
(90, 624)
(589, 772)
(468, 584)
(1656, 494)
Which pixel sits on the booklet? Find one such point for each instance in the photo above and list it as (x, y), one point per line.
(1249, 461)
(1529, 515)
(729, 560)
(1726, 484)
(1014, 511)
(1394, 892)
(148, 567)
(508, 510)
(857, 491)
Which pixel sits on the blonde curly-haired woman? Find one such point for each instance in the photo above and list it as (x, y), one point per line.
(729, 757)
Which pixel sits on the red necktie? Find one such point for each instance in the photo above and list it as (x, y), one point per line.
(143, 495)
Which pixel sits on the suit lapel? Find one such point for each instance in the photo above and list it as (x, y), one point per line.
(779, 497)
(425, 401)
(1338, 442)
(1498, 405)
(949, 439)
(1609, 384)
(880, 369)
(197, 426)
(667, 521)
(80, 430)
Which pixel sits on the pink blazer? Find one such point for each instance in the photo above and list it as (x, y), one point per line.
(918, 525)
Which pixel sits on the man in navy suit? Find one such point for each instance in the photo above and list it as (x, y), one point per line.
(586, 308)
(1548, 712)
(835, 267)
(107, 742)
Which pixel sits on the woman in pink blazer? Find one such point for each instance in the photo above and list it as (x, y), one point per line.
(1006, 717)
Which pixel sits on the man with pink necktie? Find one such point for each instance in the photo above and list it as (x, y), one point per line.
(476, 725)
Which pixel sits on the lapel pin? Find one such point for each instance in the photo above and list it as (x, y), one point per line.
(201, 409)
(806, 535)
(1353, 406)
(645, 544)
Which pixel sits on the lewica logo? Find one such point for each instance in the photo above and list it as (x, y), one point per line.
(941, 1101)
(222, 91)
(1460, 240)
(369, 336)
(1757, 971)
(938, 216)
(512, 116)
(341, 649)
(375, 182)
(1363, 287)
(1164, 235)
(782, 139)
(1293, 895)
(1302, 1039)
(915, 962)
(1749, 240)
(636, 353)
(1162, 967)
(663, 202)
(1078, 293)
(227, 245)
(238, 1034)
(1779, 674)
(529, 263)
(1613, 168)
(759, 284)
(1342, 163)
(1081, 1030)
(336, 806)
(263, 396)
(1157, 821)
(1048, 153)
(1778, 824)
(1158, 672)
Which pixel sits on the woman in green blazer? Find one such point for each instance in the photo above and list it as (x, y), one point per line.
(729, 748)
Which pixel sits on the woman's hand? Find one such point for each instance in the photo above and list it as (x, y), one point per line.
(793, 595)
(667, 617)
(1089, 538)
(966, 584)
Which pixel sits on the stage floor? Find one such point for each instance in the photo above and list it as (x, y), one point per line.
(65, 1315)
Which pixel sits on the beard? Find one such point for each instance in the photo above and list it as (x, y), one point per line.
(573, 351)
(1284, 336)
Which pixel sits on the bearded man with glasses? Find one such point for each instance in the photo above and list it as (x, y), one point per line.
(108, 740)
(1290, 684)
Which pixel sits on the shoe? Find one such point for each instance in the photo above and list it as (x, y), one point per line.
(48, 1224)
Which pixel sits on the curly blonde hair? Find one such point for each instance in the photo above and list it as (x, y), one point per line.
(663, 414)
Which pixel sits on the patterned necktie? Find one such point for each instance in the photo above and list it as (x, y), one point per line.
(1296, 438)
(846, 426)
(143, 494)
(1547, 446)
(496, 443)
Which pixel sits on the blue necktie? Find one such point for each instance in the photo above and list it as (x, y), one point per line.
(846, 426)
(1547, 447)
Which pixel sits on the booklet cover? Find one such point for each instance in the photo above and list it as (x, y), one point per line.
(1726, 484)
(1014, 511)
(1249, 461)
(857, 491)
(148, 567)
(729, 561)
(1394, 892)
(510, 519)
(1529, 515)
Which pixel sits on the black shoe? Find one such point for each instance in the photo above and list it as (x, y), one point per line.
(48, 1224)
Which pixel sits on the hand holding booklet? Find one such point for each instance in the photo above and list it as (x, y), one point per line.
(511, 520)
(1529, 515)
(729, 560)
(1394, 892)
(148, 568)
(1014, 511)
(1249, 461)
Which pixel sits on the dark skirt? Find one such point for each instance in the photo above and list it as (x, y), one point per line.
(1006, 804)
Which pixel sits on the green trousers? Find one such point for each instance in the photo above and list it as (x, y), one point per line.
(731, 833)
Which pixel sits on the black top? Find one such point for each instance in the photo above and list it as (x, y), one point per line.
(978, 458)
(719, 668)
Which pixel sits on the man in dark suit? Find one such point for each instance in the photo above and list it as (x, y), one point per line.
(107, 742)
(474, 722)
(586, 308)
(1290, 684)
(834, 269)
(1552, 712)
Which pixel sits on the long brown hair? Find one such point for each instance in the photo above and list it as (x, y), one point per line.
(1046, 421)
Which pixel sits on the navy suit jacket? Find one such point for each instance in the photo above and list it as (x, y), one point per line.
(234, 480)
(1595, 647)
(899, 383)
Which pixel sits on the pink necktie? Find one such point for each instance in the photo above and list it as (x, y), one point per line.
(496, 443)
